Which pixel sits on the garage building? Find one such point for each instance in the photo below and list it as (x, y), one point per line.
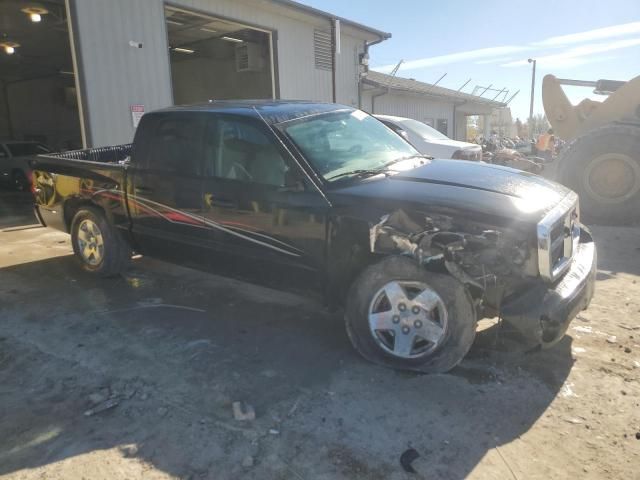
(80, 72)
(444, 109)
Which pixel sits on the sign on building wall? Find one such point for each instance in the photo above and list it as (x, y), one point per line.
(136, 114)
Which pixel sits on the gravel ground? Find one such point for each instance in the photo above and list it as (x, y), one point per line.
(135, 377)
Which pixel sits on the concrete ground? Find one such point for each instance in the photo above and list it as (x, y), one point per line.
(135, 377)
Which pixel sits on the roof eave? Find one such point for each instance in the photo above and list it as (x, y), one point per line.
(322, 13)
(459, 100)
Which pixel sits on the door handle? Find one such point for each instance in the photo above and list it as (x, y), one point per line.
(223, 202)
(144, 190)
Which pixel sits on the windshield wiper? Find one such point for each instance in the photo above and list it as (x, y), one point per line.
(359, 172)
(408, 157)
(381, 169)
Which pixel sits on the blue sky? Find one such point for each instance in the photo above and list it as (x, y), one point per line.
(489, 41)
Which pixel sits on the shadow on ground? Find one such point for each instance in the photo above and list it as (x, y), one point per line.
(16, 208)
(172, 348)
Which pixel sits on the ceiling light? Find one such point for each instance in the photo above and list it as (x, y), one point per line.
(209, 30)
(173, 22)
(9, 47)
(231, 39)
(183, 50)
(35, 12)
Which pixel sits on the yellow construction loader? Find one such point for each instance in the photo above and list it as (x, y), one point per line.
(602, 158)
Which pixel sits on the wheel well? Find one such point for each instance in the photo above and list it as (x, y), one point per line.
(73, 205)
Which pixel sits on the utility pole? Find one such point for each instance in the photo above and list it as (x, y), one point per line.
(533, 87)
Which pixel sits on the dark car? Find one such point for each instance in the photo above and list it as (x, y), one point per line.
(14, 154)
(323, 198)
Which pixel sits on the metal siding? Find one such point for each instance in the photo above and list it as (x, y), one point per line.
(411, 106)
(118, 75)
(347, 70)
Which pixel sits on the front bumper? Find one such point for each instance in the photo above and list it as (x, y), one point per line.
(541, 315)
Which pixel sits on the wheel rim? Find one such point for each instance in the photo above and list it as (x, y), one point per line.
(612, 178)
(407, 319)
(90, 242)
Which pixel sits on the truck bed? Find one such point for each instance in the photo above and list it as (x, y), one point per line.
(115, 157)
(97, 176)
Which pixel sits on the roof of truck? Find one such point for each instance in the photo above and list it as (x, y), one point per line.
(273, 111)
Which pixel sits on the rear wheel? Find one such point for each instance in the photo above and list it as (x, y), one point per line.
(402, 316)
(98, 246)
(603, 167)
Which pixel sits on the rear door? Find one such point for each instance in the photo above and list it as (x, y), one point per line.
(267, 221)
(165, 190)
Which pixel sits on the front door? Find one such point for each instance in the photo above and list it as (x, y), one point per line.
(268, 223)
(165, 197)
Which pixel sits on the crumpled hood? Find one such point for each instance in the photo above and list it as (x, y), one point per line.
(477, 191)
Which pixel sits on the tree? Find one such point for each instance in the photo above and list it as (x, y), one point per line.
(538, 124)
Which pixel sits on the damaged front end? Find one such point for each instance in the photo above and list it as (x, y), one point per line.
(484, 259)
(498, 266)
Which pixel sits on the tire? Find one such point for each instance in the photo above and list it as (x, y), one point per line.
(111, 254)
(455, 310)
(19, 181)
(603, 167)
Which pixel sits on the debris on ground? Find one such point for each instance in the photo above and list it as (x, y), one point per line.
(407, 458)
(247, 462)
(612, 339)
(243, 412)
(106, 405)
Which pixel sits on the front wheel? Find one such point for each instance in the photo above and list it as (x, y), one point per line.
(401, 316)
(98, 246)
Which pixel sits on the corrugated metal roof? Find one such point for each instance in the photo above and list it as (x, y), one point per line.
(383, 80)
(322, 13)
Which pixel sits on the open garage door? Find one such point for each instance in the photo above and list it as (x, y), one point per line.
(214, 59)
(38, 98)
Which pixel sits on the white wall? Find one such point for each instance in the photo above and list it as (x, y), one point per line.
(409, 106)
(117, 75)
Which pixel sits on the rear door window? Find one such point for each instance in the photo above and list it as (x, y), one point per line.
(176, 145)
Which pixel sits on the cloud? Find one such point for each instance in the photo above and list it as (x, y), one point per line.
(456, 57)
(573, 55)
(576, 55)
(590, 35)
(493, 60)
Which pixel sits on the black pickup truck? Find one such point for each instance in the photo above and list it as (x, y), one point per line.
(324, 198)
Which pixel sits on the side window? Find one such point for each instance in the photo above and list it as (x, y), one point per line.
(238, 150)
(443, 126)
(176, 145)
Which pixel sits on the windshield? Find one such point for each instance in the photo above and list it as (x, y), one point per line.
(339, 142)
(422, 129)
(27, 148)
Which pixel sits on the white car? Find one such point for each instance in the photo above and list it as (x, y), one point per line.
(429, 141)
(14, 154)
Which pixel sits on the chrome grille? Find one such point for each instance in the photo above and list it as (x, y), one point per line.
(558, 235)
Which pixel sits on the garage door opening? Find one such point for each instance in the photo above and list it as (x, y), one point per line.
(216, 59)
(38, 97)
